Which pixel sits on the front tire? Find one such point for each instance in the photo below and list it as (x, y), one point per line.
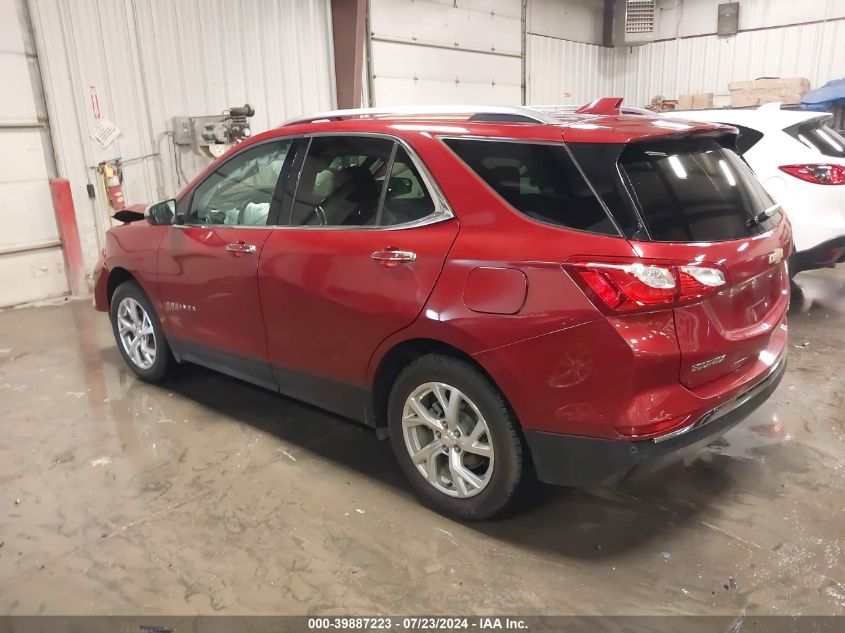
(138, 333)
(454, 437)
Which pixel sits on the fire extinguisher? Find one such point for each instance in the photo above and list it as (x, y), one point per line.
(112, 175)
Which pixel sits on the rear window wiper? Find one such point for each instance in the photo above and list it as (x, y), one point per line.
(764, 215)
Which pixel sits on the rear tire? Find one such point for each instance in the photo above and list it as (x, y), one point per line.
(139, 334)
(454, 437)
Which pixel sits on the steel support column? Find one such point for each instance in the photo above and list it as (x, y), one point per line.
(349, 33)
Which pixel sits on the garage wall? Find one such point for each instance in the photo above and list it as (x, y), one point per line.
(31, 260)
(142, 62)
(564, 71)
(686, 18)
(709, 63)
(445, 51)
(573, 20)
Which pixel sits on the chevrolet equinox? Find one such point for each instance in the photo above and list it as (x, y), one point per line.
(575, 295)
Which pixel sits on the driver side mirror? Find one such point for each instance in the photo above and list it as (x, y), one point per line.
(161, 213)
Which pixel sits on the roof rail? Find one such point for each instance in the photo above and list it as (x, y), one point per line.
(478, 113)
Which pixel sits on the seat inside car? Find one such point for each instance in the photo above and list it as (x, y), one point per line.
(351, 198)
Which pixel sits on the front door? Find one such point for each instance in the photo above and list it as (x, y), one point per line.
(208, 264)
(357, 263)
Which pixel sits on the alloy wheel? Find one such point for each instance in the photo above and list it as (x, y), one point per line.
(136, 333)
(448, 439)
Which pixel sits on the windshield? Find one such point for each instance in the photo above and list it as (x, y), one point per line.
(695, 190)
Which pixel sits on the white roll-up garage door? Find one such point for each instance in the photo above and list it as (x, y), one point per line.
(446, 51)
(31, 260)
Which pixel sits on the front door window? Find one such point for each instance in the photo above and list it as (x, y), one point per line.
(240, 192)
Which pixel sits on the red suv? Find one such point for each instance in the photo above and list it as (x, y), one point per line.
(500, 291)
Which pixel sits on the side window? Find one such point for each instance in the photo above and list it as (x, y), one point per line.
(746, 139)
(407, 198)
(819, 137)
(241, 190)
(341, 181)
(538, 180)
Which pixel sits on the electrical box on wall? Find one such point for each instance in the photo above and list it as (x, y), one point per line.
(728, 22)
(182, 132)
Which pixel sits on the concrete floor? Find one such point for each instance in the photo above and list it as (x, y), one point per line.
(208, 495)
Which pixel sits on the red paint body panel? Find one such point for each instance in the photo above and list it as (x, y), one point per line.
(488, 282)
(328, 304)
(587, 381)
(495, 290)
(209, 295)
(736, 322)
(132, 248)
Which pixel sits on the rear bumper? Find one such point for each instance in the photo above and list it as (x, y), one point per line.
(826, 254)
(583, 462)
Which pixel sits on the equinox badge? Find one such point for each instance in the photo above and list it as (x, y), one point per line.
(708, 363)
(776, 256)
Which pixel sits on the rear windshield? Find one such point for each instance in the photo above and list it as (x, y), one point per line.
(694, 190)
(819, 137)
(538, 180)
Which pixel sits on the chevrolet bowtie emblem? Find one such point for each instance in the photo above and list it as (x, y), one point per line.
(776, 256)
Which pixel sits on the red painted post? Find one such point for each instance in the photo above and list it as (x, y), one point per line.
(69, 232)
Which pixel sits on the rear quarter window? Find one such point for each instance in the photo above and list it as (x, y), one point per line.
(819, 137)
(538, 180)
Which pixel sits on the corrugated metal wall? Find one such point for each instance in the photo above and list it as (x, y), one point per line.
(564, 72)
(150, 60)
(681, 66)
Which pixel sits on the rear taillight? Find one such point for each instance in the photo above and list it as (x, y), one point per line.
(632, 286)
(821, 174)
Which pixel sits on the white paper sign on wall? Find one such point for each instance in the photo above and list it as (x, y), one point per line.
(105, 133)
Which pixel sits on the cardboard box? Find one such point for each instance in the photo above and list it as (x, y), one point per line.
(744, 99)
(721, 101)
(740, 85)
(768, 94)
(685, 102)
(796, 85)
(791, 98)
(702, 101)
(787, 90)
(768, 82)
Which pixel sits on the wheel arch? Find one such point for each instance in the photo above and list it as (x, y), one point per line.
(403, 354)
(117, 276)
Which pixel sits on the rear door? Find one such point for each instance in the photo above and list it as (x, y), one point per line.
(365, 240)
(700, 203)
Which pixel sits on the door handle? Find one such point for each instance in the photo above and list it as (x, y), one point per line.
(241, 247)
(391, 256)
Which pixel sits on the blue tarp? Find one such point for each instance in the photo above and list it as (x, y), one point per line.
(824, 99)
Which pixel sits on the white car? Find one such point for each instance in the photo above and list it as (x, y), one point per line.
(801, 162)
